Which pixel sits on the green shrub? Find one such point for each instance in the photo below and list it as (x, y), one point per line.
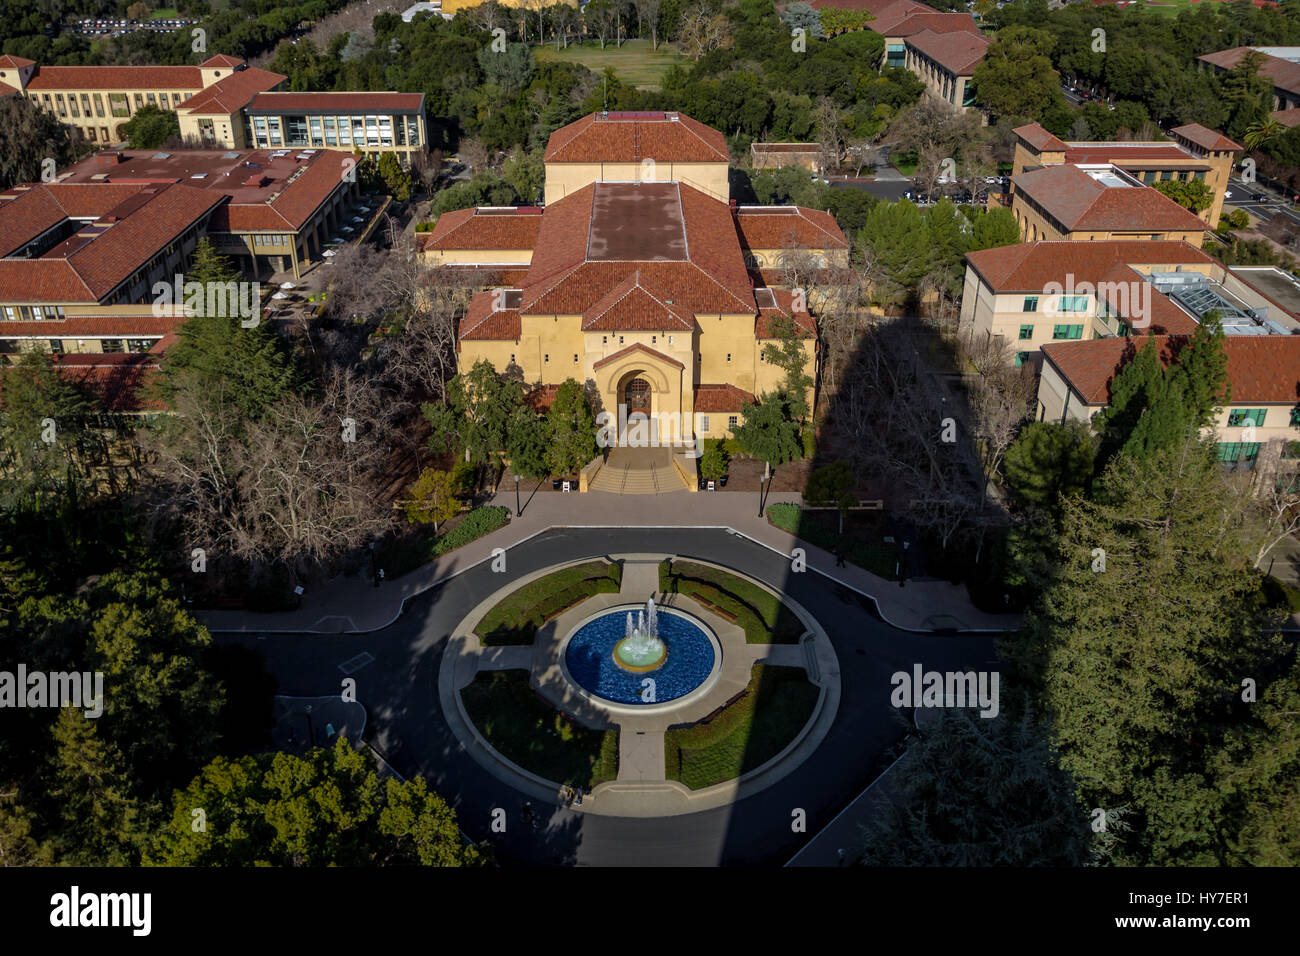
(713, 461)
(426, 226)
(763, 616)
(477, 523)
(809, 438)
(516, 618)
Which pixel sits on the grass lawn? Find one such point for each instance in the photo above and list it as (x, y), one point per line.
(745, 734)
(862, 541)
(516, 619)
(531, 733)
(905, 163)
(420, 547)
(634, 62)
(165, 13)
(764, 617)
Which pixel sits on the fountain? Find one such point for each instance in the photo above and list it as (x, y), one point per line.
(641, 648)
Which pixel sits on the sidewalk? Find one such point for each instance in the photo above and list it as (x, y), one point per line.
(353, 604)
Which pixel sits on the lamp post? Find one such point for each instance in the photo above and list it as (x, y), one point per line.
(767, 468)
(519, 511)
(902, 565)
(374, 571)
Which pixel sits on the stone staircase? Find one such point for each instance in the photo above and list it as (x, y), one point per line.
(638, 471)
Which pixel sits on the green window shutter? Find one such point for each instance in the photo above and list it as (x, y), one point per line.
(1031, 304)
(1026, 331)
(1227, 451)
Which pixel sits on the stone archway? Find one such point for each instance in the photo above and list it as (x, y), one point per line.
(636, 395)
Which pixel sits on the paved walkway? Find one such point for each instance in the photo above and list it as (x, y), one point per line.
(353, 604)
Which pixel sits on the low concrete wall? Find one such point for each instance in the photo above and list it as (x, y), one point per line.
(685, 468)
(589, 472)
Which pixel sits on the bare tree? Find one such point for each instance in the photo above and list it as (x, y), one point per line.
(1000, 395)
(648, 10)
(702, 32)
(1277, 498)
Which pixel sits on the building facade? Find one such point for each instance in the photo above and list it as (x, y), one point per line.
(649, 290)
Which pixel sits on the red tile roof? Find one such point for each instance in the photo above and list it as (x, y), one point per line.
(1081, 204)
(11, 62)
(479, 229)
(958, 53)
(788, 227)
(1288, 118)
(483, 321)
(1284, 74)
(221, 59)
(88, 265)
(631, 306)
(378, 102)
(120, 382)
(111, 326)
(1263, 369)
(231, 93)
(905, 23)
(1205, 137)
(1039, 138)
(877, 8)
(720, 398)
(638, 347)
(774, 303)
(665, 137)
(1031, 266)
(143, 78)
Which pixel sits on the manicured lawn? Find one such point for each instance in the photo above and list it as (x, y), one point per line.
(764, 618)
(634, 62)
(516, 619)
(746, 733)
(862, 542)
(905, 163)
(529, 732)
(408, 553)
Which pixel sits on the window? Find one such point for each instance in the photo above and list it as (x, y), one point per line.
(11, 313)
(547, 357)
(654, 339)
(620, 340)
(604, 340)
(1026, 332)
(1247, 416)
(704, 423)
(512, 358)
(728, 356)
(575, 358)
(99, 105)
(1021, 358)
(670, 340)
(1031, 304)
(138, 346)
(1295, 416)
(56, 346)
(112, 346)
(1067, 331)
(1074, 303)
(1239, 453)
(732, 421)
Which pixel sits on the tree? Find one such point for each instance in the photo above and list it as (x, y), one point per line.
(979, 792)
(327, 807)
(993, 228)
(701, 31)
(150, 127)
(648, 10)
(570, 433)
(432, 499)
(1049, 462)
(526, 444)
(1136, 648)
(713, 460)
(98, 815)
(833, 485)
(768, 431)
(29, 136)
(1016, 78)
(1261, 133)
(396, 179)
(896, 236)
(1194, 194)
(473, 420)
(509, 68)
(801, 16)
(789, 354)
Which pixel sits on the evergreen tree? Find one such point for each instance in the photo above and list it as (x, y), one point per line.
(570, 429)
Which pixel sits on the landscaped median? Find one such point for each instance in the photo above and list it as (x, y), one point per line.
(516, 618)
(762, 615)
(533, 735)
(746, 733)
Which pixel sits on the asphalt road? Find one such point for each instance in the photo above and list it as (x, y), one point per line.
(399, 690)
(1266, 210)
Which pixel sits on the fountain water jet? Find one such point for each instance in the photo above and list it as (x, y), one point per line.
(641, 648)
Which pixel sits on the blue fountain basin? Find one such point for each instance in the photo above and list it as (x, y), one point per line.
(589, 659)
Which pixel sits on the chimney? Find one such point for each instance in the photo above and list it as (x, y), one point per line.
(109, 157)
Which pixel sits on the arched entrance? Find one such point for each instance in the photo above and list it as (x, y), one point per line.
(637, 396)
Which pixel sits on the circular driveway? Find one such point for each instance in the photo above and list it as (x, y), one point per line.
(399, 690)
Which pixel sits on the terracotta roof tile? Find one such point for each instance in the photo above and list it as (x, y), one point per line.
(162, 78)
(1030, 266)
(631, 306)
(638, 347)
(1082, 204)
(720, 398)
(385, 102)
(231, 93)
(788, 227)
(906, 23)
(483, 321)
(774, 303)
(1205, 137)
(1039, 138)
(1262, 369)
(480, 229)
(665, 137)
(1284, 74)
(959, 53)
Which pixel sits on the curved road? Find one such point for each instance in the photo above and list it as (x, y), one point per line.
(399, 690)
